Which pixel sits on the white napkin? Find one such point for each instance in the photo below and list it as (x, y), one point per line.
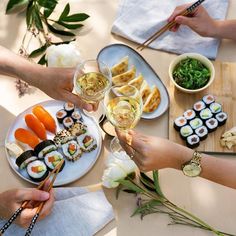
(76, 212)
(137, 20)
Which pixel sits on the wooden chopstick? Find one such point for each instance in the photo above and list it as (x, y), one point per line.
(169, 25)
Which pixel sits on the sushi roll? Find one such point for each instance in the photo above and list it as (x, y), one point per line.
(208, 99)
(180, 122)
(68, 122)
(221, 118)
(206, 114)
(44, 147)
(25, 158)
(76, 116)
(198, 106)
(189, 114)
(193, 141)
(196, 123)
(37, 170)
(215, 108)
(186, 131)
(78, 128)
(62, 137)
(72, 150)
(52, 159)
(69, 107)
(87, 142)
(211, 124)
(61, 115)
(202, 132)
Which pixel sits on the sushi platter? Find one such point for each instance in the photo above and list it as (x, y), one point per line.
(46, 133)
(199, 120)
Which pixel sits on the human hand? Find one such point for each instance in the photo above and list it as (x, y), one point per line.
(199, 21)
(152, 153)
(11, 200)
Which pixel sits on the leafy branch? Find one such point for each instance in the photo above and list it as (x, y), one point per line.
(150, 200)
(40, 24)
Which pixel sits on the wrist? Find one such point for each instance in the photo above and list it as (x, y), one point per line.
(215, 31)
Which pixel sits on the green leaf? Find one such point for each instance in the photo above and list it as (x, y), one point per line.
(64, 42)
(29, 10)
(130, 185)
(143, 175)
(61, 32)
(49, 6)
(75, 17)
(149, 185)
(156, 183)
(14, 6)
(129, 191)
(42, 60)
(38, 51)
(65, 12)
(69, 26)
(37, 20)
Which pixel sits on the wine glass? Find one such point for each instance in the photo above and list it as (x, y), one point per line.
(92, 79)
(123, 109)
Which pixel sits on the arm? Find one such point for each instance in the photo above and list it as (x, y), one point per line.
(55, 82)
(157, 153)
(201, 22)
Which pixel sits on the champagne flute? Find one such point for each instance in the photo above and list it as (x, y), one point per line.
(92, 79)
(123, 110)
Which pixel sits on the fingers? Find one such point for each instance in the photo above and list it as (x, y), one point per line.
(176, 12)
(47, 208)
(183, 20)
(31, 194)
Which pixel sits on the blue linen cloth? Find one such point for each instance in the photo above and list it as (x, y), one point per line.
(137, 20)
(76, 212)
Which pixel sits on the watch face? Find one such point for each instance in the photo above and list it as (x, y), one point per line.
(192, 170)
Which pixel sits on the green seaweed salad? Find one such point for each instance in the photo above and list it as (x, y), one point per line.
(190, 73)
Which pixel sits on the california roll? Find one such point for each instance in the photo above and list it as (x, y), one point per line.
(71, 150)
(52, 159)
(87, 142)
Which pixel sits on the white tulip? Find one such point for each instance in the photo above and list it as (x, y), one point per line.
(63, 55)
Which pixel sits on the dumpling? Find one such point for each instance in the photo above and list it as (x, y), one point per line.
(121, 67)
(125, 90)
(124, 78)
(137, 82)
(152, 101)
(145, 91)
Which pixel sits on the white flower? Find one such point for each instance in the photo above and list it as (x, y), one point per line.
(63, 55)
(119, 166)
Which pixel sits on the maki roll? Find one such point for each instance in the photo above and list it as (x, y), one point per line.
(69, 107)
(206, 114)
(62, 137)
(72, 150)
(37, 170)
(76, 116)
(202, 132)
(221, 118)
(215, 108)
(25, 158)
(67, 122)
(44, 147)
(78, 129)
(211, 124)
(208, 99)
(198, 106)
(52, 159)
(87, 142)
(186, 131)
(61, 115)
(189, 114)
(196, 123)
(180, 122)
(193, 141)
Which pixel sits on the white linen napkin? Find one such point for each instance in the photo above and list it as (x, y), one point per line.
(76, 212)
(137, 20)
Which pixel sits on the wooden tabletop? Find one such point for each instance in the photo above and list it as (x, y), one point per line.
(211, 202)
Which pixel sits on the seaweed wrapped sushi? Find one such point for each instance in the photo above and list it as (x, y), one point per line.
(37, 170)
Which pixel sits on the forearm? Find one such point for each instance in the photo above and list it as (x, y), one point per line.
(225, 29)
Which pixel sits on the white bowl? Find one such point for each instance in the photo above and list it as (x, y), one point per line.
(199, 57)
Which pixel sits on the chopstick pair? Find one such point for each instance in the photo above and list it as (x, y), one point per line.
(168, 26)
(39, 208)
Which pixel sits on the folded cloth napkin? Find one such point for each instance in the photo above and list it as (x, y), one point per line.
(137, 20)
(76, 212)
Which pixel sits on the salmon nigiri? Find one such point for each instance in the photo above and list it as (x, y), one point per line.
(34, 124)
(27, 137)
(45, 118)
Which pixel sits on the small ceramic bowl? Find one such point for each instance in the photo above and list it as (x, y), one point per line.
(199, 57)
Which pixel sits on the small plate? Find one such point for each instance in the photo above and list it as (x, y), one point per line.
(113, 53)
(72, 170)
